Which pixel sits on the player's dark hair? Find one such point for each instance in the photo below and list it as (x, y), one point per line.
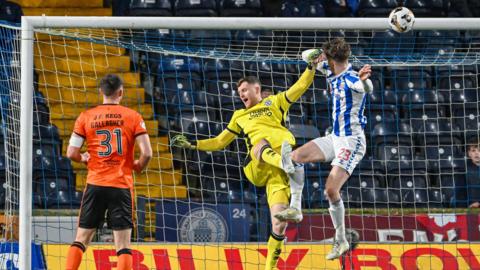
(110, 84)
(472, 142)
(249, 80)
(337, 49)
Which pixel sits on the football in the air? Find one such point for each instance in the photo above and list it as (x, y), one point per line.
(401, 19)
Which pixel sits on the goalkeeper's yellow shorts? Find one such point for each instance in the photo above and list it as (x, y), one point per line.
(275, 180)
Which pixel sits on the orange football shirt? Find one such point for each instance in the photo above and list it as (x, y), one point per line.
(110, 131)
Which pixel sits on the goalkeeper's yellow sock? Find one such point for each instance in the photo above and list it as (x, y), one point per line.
(271, 157)
(275, 244)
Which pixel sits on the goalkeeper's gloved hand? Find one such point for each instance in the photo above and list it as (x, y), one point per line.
(182, 141)
(312, 56)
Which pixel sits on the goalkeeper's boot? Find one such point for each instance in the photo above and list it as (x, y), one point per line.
(290, 214)
(287, 164)
(339, 248)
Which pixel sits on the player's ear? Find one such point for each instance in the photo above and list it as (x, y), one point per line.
(120, 92)
(258, 89)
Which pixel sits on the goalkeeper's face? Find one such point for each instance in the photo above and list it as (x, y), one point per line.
(250, 94)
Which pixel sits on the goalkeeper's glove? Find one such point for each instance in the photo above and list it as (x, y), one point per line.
(311, 55)
(182, 141)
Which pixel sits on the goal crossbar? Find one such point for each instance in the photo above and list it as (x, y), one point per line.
(30, 23)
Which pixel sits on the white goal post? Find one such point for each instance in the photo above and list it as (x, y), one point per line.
(29, 24)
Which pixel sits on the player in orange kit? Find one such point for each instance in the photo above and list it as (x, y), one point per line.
(110, 131)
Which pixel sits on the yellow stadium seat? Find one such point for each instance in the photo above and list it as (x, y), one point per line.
(59, 3)
(149, 178)
(67, 11)
(75, 48)
(150, 191)
(84, 64)
(91, 96)
(50, 78)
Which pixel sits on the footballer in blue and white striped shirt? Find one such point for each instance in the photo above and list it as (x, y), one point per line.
(345, 147)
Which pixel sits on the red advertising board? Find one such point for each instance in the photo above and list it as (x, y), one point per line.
(410, 228)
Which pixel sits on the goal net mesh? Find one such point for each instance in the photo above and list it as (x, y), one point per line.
(198, 209)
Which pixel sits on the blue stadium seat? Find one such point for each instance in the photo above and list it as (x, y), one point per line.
(185, 119)
(440, 152)
(261, 39)
(240, 8)
(204, 130)
(272, 76)
(423, 105)
(210, 38)
(411, 179)
(427, 8)
(188, 100)
(297, 114)
(383, 97)
(196, 8)
(403, 79)
(376, 8)
(451, 178)
(177, 73)
(313, 196)
(41, 112)
(370, 184)
(432, 41)
(53, 182)
(470, 123)
(297, 8)
(391, 44)
(46, 132)
(150, 8)
(392, 132)
(304, 133)
(435, 198)
(435, 133)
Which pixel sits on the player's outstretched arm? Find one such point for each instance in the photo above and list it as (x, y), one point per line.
(312, 57)
(214, 144)
(143, 142)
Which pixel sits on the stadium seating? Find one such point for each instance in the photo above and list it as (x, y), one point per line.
(298, 8)
(375, 8)
(381, 107)
(390, 44)
(427, 8)
(243, 8)
(195, 8)
(150, 8)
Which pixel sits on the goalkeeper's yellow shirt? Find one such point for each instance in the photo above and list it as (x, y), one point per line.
(265, 120)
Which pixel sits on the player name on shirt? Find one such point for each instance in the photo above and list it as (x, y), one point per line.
(107, 123)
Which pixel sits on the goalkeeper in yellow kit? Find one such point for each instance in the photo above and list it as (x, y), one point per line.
(269, 164)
